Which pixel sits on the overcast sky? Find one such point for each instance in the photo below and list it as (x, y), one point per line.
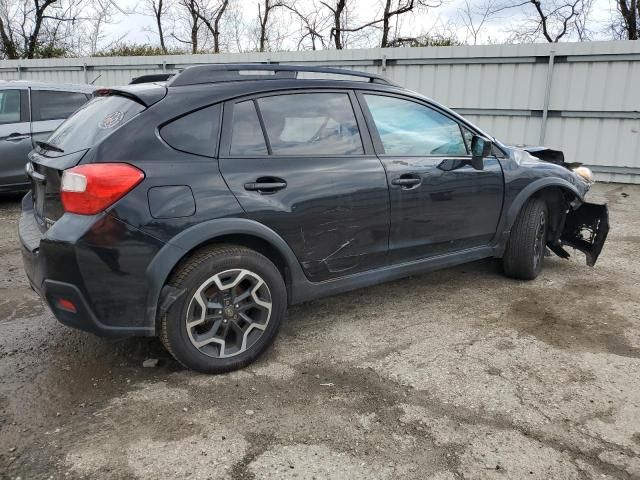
(135, 27)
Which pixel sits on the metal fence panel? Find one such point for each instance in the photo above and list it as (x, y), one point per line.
(582, 98)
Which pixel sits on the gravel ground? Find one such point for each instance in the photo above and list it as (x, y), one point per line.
(460, 373)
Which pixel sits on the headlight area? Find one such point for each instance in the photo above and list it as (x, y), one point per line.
(585, 174)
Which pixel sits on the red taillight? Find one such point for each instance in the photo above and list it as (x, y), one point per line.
(89, 189)
(68, 305)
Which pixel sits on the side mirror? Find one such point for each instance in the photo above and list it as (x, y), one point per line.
(480, 148)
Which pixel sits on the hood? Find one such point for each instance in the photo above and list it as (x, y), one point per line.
(550, 155)
(556, 157)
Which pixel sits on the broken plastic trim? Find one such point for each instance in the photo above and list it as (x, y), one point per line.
(585, 229)
(168, 295)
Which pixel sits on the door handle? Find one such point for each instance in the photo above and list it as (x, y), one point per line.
(266, 185)
(16, 137)
(407, 181)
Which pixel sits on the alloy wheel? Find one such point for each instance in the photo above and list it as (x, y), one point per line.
(228, 313)
(540, 240)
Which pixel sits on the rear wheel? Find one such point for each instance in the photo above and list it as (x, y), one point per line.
(234, 304)
(524, 255)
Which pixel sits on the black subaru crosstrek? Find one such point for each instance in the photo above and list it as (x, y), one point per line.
(199, 209)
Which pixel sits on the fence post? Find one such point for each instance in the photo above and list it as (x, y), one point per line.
(547, 96)
(19, 68)
(86, 74)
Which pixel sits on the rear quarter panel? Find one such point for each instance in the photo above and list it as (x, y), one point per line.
(141, 145)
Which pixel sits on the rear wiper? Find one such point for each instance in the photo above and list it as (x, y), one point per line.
(48, 146)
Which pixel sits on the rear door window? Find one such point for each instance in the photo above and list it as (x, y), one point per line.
(94, 121)
(9, 106)
(311, 124)
(246, 137)
(55, 105)
(196, 132)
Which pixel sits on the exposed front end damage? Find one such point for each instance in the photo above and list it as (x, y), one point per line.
(583, 226)
(585, 229)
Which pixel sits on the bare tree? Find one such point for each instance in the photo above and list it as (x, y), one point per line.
(391, 10)
(237, 28)
(50, 28)
(313, 24)
(474, 18)
(265, 10)
(338, 9)
(628, 24)
(551, 19)
(159, 8)
(343, 25)
(21, 24)
(389, 18)
(211, 18)
(90, 34)
(188, 16)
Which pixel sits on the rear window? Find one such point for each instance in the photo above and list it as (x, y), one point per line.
(93, 122)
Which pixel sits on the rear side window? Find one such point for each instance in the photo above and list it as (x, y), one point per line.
(9, 106)
(196, 132)
(94, 121)
(311, 124)
(246, 137)
(54, 105)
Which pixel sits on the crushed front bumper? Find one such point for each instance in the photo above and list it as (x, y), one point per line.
(585, 229)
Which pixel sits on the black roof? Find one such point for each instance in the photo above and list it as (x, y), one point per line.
(215, 73)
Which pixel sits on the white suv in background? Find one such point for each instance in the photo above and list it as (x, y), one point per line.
(30, 111)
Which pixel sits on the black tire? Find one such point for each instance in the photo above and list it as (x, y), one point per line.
(192, 276)
(524, 255)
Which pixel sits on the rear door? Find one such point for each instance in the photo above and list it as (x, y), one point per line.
(15, 137)
(439, 202)
(303, 164)
(49, 108)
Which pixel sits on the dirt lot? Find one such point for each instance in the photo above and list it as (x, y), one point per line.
(457, 374)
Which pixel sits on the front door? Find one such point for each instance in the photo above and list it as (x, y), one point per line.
(15, 137)
(439, 203)
(297, 162)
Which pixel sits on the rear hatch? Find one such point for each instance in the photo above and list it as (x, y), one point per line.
(69, 144)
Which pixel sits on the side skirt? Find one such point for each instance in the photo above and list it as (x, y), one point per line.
(303, 290)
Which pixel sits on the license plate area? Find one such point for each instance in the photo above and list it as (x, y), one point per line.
(38, 191)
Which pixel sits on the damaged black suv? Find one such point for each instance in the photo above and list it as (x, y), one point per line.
(198, 209)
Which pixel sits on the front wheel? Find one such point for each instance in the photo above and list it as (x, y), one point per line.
(232, 309)
(524, 255)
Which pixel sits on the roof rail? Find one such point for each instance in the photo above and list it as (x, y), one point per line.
(213, 73)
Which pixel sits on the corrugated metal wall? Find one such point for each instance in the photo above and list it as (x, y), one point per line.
(583, 98)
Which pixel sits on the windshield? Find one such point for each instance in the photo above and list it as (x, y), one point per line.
(94, 121)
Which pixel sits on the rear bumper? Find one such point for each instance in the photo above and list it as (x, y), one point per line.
(79, 262)
(82, 316)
